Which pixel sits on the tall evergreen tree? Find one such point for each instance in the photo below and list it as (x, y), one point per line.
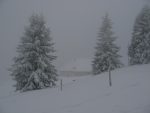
(33, 68)
(106, 55)
(139, 50)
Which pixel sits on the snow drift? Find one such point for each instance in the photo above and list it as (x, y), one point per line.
(130, 93)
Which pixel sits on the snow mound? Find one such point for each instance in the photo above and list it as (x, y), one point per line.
(130, 93)
(82, 64)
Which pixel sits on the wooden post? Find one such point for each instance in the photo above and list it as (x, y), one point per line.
(61, 84)
(128, 55)
(110, 82)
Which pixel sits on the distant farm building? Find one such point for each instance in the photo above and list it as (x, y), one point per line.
(78, 67)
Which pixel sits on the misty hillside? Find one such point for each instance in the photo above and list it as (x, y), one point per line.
(75, 56)
(91, 94)
(74, 25)
(82, 64)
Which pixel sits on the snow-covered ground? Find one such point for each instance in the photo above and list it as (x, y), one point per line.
(130, 93)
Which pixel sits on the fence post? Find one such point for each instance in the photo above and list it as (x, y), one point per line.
(61, 84)
(110, 82)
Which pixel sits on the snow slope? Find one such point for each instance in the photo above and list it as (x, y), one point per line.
(130, 93)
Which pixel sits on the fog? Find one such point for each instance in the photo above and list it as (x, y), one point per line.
(74, 25)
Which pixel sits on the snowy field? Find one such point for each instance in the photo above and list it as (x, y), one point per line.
(130, 93)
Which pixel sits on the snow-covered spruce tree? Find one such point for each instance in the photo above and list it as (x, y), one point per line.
(33, 68)
(106, 55)
(139, 50)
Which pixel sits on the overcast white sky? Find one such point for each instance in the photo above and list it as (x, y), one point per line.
(74, 25)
